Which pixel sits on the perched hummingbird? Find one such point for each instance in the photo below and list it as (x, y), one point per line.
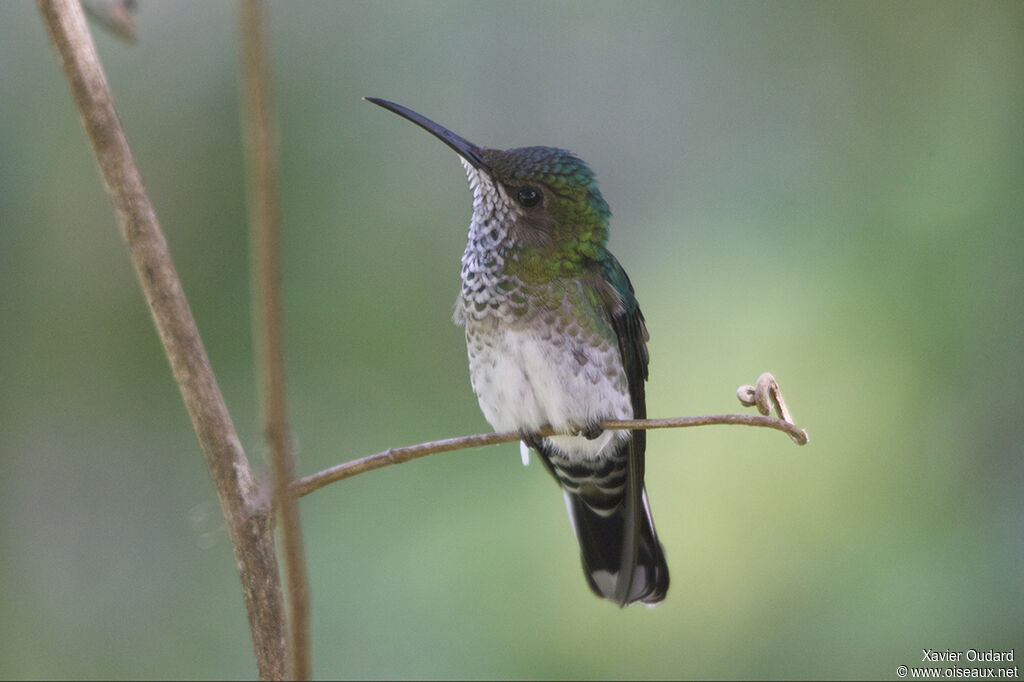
(555, 337)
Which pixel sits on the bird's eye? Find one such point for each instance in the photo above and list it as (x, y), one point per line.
(528, 196)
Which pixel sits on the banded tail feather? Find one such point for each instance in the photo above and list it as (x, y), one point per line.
(611, 519)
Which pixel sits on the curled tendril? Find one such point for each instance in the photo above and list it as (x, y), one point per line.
(766, 395)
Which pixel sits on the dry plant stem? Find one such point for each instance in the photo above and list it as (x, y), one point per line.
(261, 145)
(308, 484)
(117, 16)
(246, 511)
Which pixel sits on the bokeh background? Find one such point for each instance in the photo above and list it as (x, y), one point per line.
(828, 191)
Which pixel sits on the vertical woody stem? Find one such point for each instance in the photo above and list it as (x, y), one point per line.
(245, 509)
(260, 128)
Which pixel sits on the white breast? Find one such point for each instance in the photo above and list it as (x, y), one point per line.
(525, 379)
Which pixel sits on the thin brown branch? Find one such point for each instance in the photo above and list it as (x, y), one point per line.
(245, 509)
(308, 484)
(117, 16)
(261, 145)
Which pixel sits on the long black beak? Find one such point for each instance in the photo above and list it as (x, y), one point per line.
(463, 147)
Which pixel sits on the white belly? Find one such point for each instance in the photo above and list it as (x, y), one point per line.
(525, 380)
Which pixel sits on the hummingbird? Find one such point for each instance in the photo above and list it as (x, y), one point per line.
(555, 337)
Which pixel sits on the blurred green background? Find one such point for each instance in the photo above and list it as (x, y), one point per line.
(828, 191)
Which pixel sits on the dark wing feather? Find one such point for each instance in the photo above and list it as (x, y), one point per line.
(631, 332)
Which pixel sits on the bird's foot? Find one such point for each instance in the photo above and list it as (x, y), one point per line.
(590, 430)
(532, 439)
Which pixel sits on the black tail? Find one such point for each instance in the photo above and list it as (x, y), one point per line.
(603, 537)
(622, 558)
